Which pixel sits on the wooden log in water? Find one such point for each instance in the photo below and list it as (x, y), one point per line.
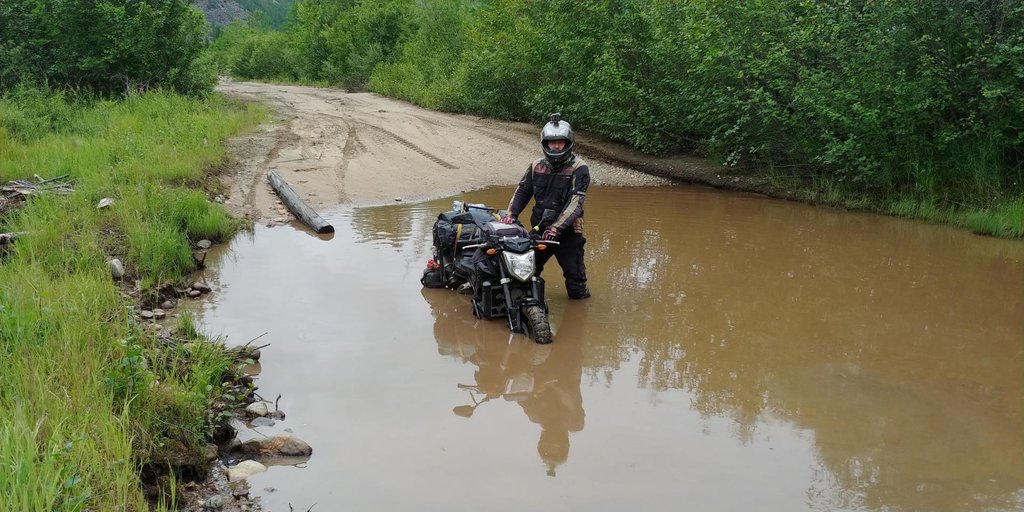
(297, 206)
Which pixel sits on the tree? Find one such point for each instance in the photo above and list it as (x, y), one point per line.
(109, 46)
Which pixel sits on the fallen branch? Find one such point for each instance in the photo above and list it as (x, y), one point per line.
(256, 338)
(18, 189)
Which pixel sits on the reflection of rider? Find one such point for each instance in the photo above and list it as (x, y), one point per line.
(557, 405)
(543, 379)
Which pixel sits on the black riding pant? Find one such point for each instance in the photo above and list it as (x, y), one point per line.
(569, 254)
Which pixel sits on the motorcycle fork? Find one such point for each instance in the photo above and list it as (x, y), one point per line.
(514, 320)
(536, 296)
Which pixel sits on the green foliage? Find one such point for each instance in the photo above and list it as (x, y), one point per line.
(249, 51)
(423, 71)
(276, 11)
(110, 46)
(33, 112)
(1006, 220)
(186, 326)
(340, 42)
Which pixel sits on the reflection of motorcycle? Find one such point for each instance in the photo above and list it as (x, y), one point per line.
(543, 380)
(512, 383)
(498, 263)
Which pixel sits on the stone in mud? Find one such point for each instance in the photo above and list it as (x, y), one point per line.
(204, 244)
(168, 304)
(215, 502)
(202, 287)
(281, 445)
(146, 314)
(262, 422)
(257, 409)
(209, 452)
(116, 268)
(194, 293)
(239, 489)
(250, 370)
(159, 314)
(244, 470)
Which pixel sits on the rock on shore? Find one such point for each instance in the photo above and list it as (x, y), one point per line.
(283, 445)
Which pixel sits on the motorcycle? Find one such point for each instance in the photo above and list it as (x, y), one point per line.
(475, 251)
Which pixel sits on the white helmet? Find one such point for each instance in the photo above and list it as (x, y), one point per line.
(556, 129)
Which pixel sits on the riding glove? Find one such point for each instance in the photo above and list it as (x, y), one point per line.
(549, 234)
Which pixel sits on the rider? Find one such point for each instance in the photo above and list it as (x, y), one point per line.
(557, 182)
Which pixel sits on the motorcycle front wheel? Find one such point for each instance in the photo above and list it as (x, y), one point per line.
(537, 324)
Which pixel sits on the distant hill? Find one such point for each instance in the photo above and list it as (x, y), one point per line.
(222, 12)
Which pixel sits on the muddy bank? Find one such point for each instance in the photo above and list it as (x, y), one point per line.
(362, 149)
(684, 168)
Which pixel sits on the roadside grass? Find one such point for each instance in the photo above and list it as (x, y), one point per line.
(89, 394)
(1005, 219)
(999, 214)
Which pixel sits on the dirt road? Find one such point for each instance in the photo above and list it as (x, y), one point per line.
(362, 149)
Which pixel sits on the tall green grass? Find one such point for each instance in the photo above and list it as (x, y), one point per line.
(87, 394)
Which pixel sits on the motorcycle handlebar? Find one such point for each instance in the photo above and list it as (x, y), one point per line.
(535, 241)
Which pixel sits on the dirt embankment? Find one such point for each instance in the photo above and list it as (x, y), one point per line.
(362, 149)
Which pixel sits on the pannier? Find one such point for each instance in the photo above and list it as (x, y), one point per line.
(432, 278)
(452, 231)
(460, 227)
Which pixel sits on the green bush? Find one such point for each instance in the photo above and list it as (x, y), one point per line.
(109, 46)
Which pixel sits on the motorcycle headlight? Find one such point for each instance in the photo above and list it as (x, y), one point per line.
(520, 265)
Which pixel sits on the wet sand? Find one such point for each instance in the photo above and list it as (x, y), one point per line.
(336, 148)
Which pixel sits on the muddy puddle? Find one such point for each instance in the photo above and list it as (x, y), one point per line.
(739, 353)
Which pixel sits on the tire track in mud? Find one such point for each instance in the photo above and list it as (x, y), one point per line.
(282, 136)
(422, 152)
(483, 130)
(397, 138)
(347, 152)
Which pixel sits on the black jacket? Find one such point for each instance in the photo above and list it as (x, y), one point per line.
(562, 189)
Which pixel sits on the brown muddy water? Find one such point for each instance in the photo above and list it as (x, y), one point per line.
(738, 354)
